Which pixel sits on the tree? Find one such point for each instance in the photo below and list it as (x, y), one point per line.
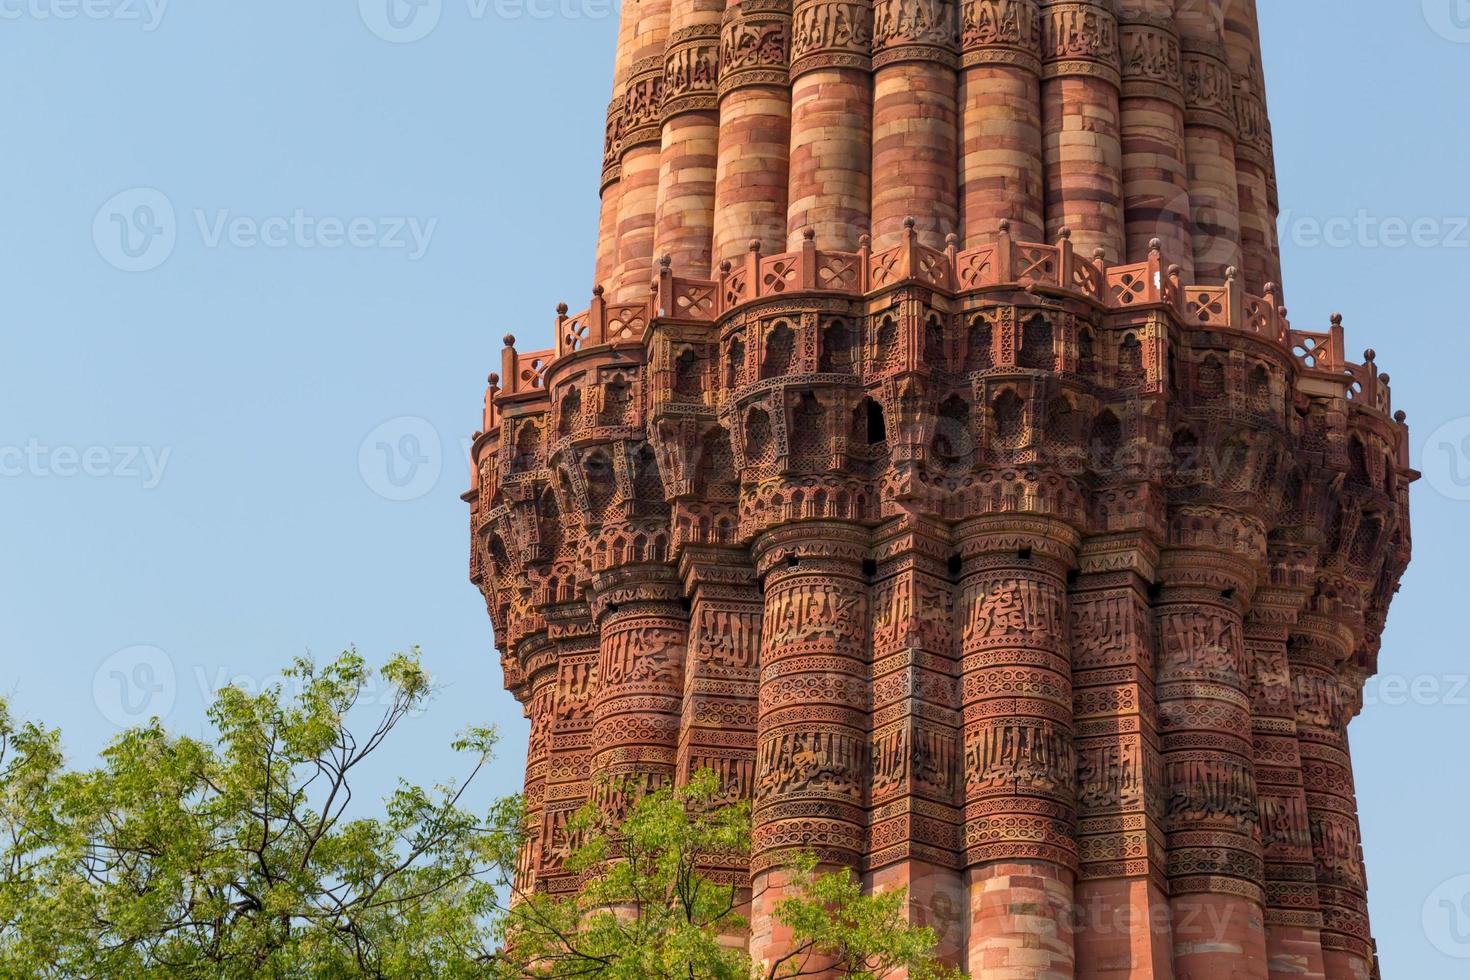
(649, 907)
(246, 856)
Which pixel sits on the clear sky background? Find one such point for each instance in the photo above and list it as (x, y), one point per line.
(203, 465)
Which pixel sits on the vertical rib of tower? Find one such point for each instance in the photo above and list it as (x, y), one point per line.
(830, 190)
(1209, 138)
(1155, 174)
(755, 128)
(1000, 120)
(1215, 863)
(691, 136)
(1254, 165)
(812, 755)
(642, 136)
(1080, 125)
(606, 272)
(1020, 794)
(915, 127)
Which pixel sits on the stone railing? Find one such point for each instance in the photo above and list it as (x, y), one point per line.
(1003, 262)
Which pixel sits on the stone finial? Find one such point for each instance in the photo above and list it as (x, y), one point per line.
(1401, 416)
(561, 309)
(755, 245)
(666, 261)
(493, 379)
(1155, 245)
(865, 240)
(809, 234)
(1099, 253)
(909, 223)
(1176, 270)
(1065, 234)
(1005, 225)
(951, 240)
(725, 267)
(597, 291)
(1230, 273)
(1369, 355)
(510, 340)
(1383, 377)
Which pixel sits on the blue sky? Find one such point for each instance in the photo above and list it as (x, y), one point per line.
(255, 447)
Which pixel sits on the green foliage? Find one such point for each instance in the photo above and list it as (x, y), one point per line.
(648, 907)
(243, 857)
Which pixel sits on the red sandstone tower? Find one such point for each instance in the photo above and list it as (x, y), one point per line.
(936, 462)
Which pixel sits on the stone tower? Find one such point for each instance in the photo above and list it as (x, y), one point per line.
(936, 462)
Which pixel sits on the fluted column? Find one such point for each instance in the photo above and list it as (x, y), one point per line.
(755, 128)
(1000, 120)
(1209, 139)
(1155, 174)
(540, 656)
(642, 135)
(812, 737)
(830, 189)
(1293, 916)
(643, 632)
(606, 270)
(691, 136)
(915, 820)
(1081, 125)
(1020, 766)
(1122, 920)
(568, 755)
(1261, 252)
(720, 675)
(1320, 645)
(1211, 816)
(915, 123)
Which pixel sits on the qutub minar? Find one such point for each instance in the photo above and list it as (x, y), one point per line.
(936, 463)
